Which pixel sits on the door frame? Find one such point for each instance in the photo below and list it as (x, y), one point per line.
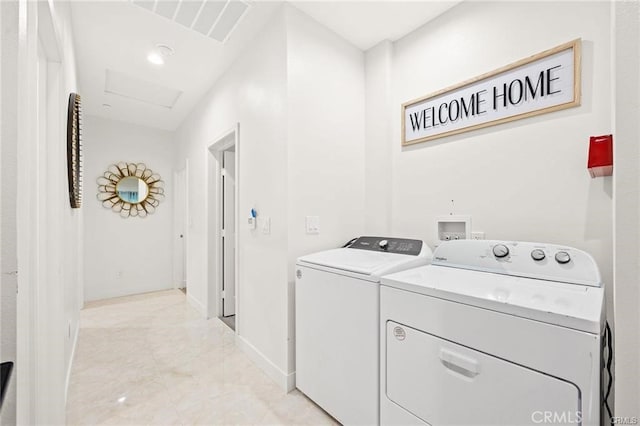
(38, 310)
(185, 226)
(226, 140)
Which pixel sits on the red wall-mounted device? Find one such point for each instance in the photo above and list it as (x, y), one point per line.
(600, 161)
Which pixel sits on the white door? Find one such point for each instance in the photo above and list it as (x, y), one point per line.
(180, 270)
(228, 234)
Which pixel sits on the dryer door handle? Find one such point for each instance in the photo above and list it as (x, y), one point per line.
(460, 364)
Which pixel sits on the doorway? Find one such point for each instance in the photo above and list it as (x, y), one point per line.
(228, 232)
(181, 206)
(223, 224)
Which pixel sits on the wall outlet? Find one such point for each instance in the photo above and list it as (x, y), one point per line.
(266, 225)
(477, 235)
(312, 224)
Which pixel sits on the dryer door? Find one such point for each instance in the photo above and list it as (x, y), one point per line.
(443, 383)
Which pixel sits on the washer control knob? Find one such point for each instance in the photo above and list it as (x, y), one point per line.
(383, 244)
(563, 257)
(537, 255)
(500, 251)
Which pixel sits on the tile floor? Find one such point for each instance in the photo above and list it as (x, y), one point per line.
(152, 360)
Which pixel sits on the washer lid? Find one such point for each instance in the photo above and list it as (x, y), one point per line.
(574, 306)
(368, 263)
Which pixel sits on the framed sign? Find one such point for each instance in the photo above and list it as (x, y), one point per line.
(546, 82)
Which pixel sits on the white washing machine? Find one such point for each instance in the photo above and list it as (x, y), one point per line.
(337, 323)
(493, 333)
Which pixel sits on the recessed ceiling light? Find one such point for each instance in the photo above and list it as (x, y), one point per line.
(155, 58)
(158, 55)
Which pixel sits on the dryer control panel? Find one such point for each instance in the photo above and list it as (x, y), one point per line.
(388, 245)
(549, 262)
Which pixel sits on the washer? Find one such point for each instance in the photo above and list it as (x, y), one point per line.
(493, 333)
(337, 323)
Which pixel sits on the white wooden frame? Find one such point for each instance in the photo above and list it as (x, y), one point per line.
(214, 223)
(37, 227)
(574, 45)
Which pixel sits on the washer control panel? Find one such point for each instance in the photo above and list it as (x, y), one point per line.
(532, 260)
(389, 245)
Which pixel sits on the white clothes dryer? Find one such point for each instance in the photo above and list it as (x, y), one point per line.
(493, 333)
(337, 323)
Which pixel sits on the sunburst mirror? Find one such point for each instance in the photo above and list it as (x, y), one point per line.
(130, 189)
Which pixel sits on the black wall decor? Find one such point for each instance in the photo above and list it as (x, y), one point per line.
(74, 150)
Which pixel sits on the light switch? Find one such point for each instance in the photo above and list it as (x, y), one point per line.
(313, 224)
(266, 225)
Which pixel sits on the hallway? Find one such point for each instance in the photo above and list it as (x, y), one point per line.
(151, 359)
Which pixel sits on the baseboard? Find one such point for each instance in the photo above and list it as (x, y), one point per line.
(286, 382)
(197, 304)
(291, 381)
(73, 355)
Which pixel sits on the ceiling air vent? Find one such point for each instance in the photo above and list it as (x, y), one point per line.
(213, 18)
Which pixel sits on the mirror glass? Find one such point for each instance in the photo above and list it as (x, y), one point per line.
(132, 189)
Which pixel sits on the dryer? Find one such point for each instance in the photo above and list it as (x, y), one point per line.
(493, 333)
(337, 323)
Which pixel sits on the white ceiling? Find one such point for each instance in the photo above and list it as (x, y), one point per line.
(367, 23)
(116, 36)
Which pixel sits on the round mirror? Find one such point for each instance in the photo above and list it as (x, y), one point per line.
(132, 189)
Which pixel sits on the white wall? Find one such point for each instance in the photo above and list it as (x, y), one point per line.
(380, 142)
(252, 92)
(325, 136)
(526, 180)
(8, 170)
(41, 234)
(67, 225)
(298, 94)
(133, 255)
(626, 42)
(325, 140)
